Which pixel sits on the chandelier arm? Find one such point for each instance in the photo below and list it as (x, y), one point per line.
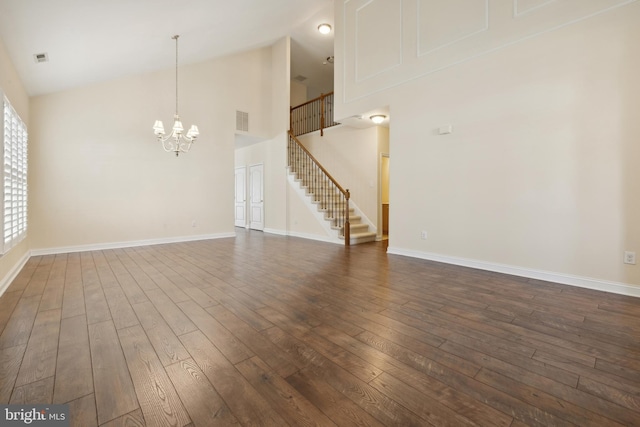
(172, 136)
(173, 146)
(161, 139)
(168, 147)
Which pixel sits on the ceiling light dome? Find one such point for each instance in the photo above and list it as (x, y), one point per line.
(378, 118)
(324, 28)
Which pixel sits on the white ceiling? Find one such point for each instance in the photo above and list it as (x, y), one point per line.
(89, 41)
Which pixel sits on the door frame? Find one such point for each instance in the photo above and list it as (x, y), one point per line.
(379, 225)
(250, 207)
(244, 201)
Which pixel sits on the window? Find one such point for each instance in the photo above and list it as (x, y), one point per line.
(14, 205)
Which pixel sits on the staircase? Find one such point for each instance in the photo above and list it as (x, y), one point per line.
(330, 200)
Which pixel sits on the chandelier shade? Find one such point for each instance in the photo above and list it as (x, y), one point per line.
(176, 142)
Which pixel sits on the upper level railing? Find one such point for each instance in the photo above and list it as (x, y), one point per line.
(313, 115)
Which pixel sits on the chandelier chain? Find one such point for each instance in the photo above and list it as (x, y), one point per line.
(176, 39)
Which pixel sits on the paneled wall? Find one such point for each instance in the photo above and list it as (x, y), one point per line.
(388, 42)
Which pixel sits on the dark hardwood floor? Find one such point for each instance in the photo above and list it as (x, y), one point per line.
(270, 330)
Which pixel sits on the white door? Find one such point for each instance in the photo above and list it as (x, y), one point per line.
(256, 200)
(241, 197)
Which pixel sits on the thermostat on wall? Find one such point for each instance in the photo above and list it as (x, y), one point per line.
(445, 130)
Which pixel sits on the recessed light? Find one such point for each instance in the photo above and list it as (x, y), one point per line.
(324, 28)
(378, 118)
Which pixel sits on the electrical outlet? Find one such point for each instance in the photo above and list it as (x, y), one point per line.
(193, 223)
(423, 235)
(629, 257)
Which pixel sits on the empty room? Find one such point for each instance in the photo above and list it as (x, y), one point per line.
(320, 212)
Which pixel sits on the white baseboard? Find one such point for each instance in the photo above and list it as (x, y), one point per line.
(6, 280)
(565, 279)
(275, 231)
(316, 237)
(130, 244)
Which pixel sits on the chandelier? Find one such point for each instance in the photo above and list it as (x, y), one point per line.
(176, 141)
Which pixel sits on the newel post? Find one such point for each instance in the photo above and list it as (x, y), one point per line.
(291, 119)
(347, 225)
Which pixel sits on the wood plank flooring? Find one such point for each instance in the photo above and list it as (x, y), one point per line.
(275, 331)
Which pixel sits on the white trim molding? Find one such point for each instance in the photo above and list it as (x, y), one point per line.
(561, 278)
(454, 41)
(517, 10)
(13, 273)
(315, 237)
(387, 34)
(275, 231)
(130, 244)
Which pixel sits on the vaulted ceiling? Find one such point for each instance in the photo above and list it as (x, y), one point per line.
(89, 41)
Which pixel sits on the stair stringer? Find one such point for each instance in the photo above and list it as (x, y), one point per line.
(332, 235)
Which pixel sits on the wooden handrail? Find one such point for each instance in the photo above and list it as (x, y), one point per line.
(313, 100)
(345, 192)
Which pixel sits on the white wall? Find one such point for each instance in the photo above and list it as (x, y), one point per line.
(10, 84)
(298, 93)
(99, 176)
(271, 153)
(541, 173)
(276, 158)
